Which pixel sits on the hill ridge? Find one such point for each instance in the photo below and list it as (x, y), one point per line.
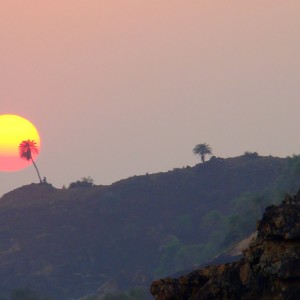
(68, 242)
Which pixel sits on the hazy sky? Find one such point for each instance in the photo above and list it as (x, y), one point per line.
(119, 88)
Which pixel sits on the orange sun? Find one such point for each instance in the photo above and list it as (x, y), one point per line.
(13, 130)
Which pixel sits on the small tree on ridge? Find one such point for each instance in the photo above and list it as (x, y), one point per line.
(202, 150)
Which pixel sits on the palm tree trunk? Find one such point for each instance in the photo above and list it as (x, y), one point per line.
(203, 157)
(36, 170)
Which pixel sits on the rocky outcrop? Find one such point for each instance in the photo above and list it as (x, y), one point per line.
(269, 269)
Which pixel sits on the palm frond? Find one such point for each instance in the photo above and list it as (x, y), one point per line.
(27, 149)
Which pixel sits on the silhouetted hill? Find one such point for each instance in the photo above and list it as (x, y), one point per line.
(67, 242)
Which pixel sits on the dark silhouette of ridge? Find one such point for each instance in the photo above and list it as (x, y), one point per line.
(68, 242)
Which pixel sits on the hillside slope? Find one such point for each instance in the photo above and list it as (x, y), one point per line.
(269, 268)
(66, 243)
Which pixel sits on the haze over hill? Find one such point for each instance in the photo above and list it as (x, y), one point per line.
(68, 242)
(125, 87)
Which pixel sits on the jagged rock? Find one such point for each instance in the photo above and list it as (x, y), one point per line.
(269, 269)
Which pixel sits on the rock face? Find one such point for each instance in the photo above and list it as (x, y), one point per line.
(269, 269)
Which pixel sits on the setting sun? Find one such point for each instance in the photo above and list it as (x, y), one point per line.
(13, 130)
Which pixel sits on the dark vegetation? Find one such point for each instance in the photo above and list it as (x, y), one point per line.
(67, 243)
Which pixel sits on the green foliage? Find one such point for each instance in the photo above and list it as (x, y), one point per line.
(245, 211)
(177, 256)
(212, 220)
(249, 207)
(226, 229)
(167, 260)
(188, 255)
(216, 230)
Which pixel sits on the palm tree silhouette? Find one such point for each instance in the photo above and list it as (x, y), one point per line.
(26, 150)
(202, 150)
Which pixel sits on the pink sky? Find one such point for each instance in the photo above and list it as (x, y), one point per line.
(121, 88)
